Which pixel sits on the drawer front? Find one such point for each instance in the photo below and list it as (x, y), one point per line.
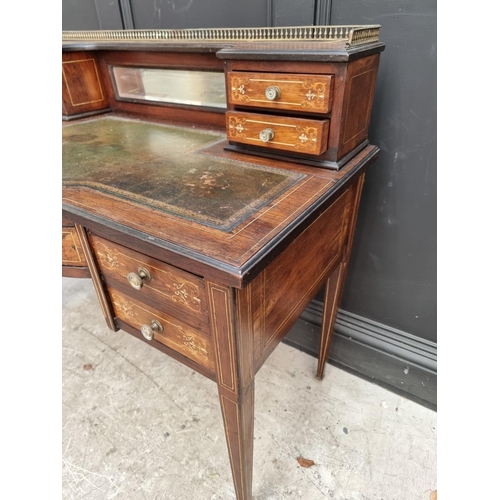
(172, 290)
(72, 252)
(277, 132)
(311, 93)
(175, 334)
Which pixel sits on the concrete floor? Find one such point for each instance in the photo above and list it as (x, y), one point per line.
(139, 425)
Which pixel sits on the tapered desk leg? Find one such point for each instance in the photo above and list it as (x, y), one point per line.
(238, 424)
(332, 299)
(335, 284)
(230, 318)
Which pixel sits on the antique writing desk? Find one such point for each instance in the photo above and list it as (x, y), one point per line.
(211, 182)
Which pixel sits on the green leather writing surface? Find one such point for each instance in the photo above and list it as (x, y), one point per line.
(164, 167)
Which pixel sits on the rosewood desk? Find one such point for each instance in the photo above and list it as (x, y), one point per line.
(211, 185)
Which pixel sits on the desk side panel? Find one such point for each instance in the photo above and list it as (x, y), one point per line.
(282, 291)
(357, 103)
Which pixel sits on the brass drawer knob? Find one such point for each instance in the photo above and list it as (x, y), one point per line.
(149, 330)
(136, 280)
(266, 135)
(273, 93)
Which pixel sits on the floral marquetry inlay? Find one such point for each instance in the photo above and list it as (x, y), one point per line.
(310, 95)
(194, 346)
(109, 259)
(308, 137)
(315, 95)
(238, 89)
(186, 293)
(235, 126)
(125, 307)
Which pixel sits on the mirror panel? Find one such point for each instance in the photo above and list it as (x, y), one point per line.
(194, 88)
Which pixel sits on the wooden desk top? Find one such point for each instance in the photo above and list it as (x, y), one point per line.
(176, 190)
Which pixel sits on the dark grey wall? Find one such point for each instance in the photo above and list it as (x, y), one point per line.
(91, 15)
(392, 276)
(388, 319)
(179, 14)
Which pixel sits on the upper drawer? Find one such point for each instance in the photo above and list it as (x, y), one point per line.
(165, 287)
(311, 93)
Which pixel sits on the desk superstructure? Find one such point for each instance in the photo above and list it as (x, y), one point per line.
(211, 183)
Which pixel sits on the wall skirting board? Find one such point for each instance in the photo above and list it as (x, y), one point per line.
(396, 360)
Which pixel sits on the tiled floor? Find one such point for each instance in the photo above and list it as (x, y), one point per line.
(139, 425)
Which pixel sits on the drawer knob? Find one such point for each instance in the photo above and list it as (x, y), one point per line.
(136, 280)
(149, 330)
(273, 93)
(266, 135)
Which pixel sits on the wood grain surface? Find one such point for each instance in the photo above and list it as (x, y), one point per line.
(176, 334)
(297, 92)
(170, 289)
(82, 86)
(290, 134)
(72, 252)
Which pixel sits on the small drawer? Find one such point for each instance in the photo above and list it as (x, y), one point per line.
(170, 331)
(148, 280)
(278, 132)
(72, 252)
(312, 93)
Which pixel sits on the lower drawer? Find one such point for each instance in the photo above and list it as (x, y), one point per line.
(278, 132)
(164, 328)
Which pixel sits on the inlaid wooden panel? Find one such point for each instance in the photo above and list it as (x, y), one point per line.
(82, 89)
(289, 134)
(285, 288)
(291, 274)
(170, 289)
(311, 93)
(176, 334)
(72, 253)
(357, 102)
